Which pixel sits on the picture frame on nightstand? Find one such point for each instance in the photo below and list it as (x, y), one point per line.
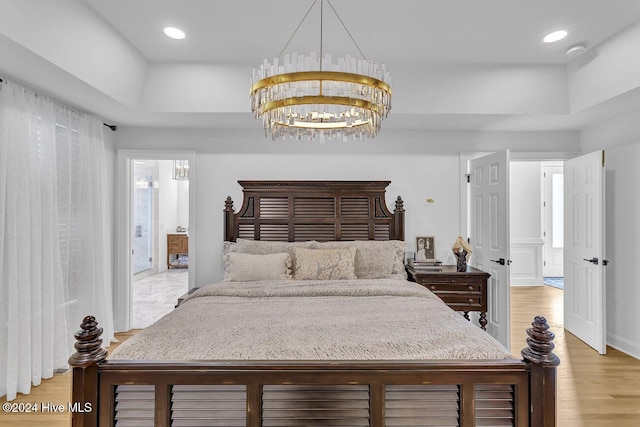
(425, 248)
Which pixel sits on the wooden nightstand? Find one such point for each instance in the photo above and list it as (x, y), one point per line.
(177, 244)
(462, 291)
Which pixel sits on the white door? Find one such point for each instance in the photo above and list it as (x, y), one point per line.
(489, 234)
(553, 214)
(584, 278)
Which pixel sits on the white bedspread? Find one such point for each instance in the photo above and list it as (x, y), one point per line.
(380, 319)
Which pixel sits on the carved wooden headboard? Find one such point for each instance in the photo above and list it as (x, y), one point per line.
(314, 210)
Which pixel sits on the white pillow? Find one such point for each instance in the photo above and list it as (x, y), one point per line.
(250, 267)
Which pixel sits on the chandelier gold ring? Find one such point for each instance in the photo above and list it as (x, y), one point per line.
(336, 76)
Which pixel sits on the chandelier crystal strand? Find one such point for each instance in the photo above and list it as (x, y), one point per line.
(180, 170)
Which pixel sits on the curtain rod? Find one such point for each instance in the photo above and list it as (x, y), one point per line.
(112, 127)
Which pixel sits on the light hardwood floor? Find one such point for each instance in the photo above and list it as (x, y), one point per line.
(593, 390)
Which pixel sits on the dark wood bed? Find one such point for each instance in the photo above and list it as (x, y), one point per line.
(506, 392)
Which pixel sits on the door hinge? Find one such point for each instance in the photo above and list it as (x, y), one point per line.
(468, 175)
(544, 204)
(544, 234)
(150, 259)
(544, 263)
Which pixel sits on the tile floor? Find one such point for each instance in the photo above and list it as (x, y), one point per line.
(154, 296)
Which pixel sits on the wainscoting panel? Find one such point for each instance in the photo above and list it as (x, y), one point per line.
(526, 266)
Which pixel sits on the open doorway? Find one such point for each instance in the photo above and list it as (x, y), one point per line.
(536, 223)
(159, 237)
(156, 233)
(553, 224)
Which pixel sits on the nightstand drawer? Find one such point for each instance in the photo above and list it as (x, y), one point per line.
(453, 287)
(427, 280)
(461, 300)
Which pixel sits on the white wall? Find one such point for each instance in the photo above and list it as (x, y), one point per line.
(620, 138)
(622, 248)
(173, 208)
(167, 212)
(413, 177)
(526, 223)
(418, 164)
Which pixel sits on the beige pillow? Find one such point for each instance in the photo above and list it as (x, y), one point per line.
(375, 259)
(325, 264)
(227, 248)
(263, 247)
(250, 268)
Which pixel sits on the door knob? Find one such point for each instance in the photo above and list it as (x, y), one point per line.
(593, 260)
(500, 261)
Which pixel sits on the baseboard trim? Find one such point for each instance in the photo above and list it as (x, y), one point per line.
(624, 345)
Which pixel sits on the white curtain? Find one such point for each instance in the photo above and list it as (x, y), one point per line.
(55, 261)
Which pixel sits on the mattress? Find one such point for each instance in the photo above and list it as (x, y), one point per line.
(374, 319)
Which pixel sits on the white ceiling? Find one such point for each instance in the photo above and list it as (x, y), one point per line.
(486, 31)
(110, 57)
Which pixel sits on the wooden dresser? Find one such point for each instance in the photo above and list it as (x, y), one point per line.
(177, 244)
(462, 291)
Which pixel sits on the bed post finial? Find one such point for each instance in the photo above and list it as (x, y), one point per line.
(84, 361)
(540, 344)
(88, 344)
(229, 221)
(542, 391)
(228, 204)
(398, 215)
(399, 205)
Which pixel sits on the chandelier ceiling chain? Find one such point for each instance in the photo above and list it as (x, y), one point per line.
(297, 28)
(346, 29)
(304, 96)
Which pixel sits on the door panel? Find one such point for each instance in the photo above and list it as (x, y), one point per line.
(489, 235)
(142, 212)
(584, 250)
(553, 214)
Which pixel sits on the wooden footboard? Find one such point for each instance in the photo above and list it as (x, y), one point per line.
(321, 393)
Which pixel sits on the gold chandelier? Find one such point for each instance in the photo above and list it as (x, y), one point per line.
(308, 96)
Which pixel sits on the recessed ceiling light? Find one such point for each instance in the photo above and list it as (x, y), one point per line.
(555, 36)
(174, 33)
